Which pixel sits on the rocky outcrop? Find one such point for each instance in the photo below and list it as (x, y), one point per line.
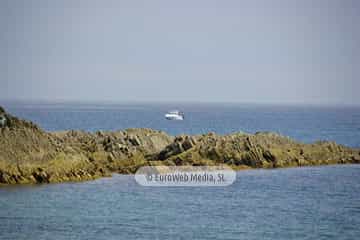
(179, 145)
(30, 155)
(261, 150)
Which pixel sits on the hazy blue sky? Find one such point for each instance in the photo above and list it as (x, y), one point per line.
(233, 51)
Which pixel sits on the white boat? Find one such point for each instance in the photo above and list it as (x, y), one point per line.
(174, 115)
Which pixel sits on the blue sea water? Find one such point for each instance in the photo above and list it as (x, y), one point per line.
(297, 203)
(304, 123)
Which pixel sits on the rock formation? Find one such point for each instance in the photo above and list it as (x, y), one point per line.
(30, 155)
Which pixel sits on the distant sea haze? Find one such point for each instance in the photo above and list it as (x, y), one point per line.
(303, 123)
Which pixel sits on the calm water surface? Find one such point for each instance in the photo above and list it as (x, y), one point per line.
(298, 203)
(301, 203)
(304, 123)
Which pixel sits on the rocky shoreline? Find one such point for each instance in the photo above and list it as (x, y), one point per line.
(29, 154)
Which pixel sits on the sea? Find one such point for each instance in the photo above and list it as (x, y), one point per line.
(296, 203)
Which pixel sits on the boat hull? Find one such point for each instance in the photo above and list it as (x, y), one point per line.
(174, 117)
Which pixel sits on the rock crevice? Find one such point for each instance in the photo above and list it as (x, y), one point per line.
(30, 155)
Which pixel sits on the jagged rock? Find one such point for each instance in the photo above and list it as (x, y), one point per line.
(5, 177)
(170, 150)
(134, 140)
(188, 143)
(41, 176)
(180, 144)
(30, 155)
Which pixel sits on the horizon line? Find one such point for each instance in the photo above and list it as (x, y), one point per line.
(122, 102)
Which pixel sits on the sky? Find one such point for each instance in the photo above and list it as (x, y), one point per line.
(279, 51)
